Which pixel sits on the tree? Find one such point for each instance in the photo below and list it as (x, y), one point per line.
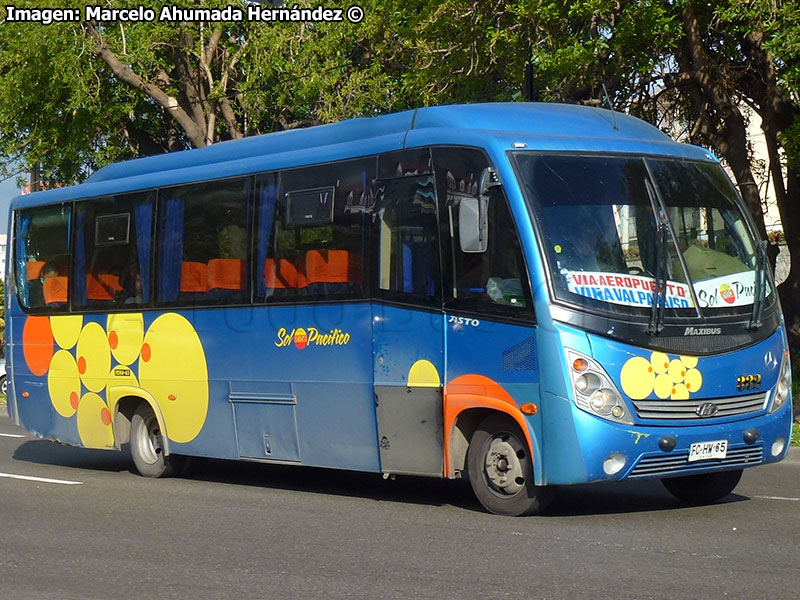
(75, 96)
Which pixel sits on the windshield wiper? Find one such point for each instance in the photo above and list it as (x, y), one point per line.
(656, 324)
(760, 286)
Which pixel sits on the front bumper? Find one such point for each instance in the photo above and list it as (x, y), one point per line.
(608, 451)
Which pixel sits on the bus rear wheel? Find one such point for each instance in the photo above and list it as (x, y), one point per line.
(147, 447)
(501, 470)
(703, 487)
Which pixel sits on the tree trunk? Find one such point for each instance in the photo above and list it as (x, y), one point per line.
(790, 289)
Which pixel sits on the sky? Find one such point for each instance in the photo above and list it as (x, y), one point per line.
(8, 189)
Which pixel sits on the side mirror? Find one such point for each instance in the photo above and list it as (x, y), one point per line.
(472, 224)
(473, 215)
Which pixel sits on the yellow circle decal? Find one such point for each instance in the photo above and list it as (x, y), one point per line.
(93, 357)
(125, 335)
(677, 371)
(94, 422)
(679, 392)
(66, 329)
(423, 374)
(693, 380)
(689, 361)
(120, 375)
(637, 378)
(660, 362)
(64, 383)
(172, 367)
(663, 386)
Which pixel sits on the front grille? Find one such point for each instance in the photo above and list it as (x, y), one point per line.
(678, 463)
(687, 409)
(701, 344)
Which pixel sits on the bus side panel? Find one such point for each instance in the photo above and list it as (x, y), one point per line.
(408, 366)
(35, 377)
(299, 375)
(497, 361)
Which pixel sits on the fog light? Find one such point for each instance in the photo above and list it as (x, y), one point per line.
(668, 443)
(778, 446)
(614, 463)
(751, 435)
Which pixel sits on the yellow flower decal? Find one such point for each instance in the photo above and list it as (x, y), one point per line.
(89, 361)
(675, 378)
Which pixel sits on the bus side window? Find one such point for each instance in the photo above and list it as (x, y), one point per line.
(111, 263)
(203, 243)
(310, 232)
(42, 257)
(494, 281)
(407, 241)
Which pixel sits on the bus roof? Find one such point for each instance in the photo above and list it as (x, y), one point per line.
(545, 126)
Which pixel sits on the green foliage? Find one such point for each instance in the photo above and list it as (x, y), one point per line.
(63, 106)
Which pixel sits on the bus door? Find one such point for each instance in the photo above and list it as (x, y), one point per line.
(408, 325)
(489, 333)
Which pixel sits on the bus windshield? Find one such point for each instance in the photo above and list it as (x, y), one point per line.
(599, 219)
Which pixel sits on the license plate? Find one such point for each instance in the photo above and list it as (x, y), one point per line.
(708, 450)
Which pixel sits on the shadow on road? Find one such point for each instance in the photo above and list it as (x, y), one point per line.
(619, 497)
(580, 500)
(45, 452)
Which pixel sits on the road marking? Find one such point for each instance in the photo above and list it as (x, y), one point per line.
(778, 498)
(11, 435)
(39, 479)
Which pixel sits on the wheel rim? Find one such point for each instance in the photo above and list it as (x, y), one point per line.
(149, 440)
(503, 467)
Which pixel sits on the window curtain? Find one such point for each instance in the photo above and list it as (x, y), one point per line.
(266, 210)
(79, 279)
(169, 265)
(21, 252)
(143, 221)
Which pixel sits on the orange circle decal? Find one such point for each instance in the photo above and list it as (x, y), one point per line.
(37, 343)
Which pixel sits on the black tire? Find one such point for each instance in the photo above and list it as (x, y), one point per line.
(147, 447)
(4, 385)
(703, 487)
(501, 469)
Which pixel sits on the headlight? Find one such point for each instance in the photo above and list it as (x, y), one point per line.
(783, 388)
(588, 383)
(594, 391)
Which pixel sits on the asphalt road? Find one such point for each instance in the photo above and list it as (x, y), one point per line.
(240, 530)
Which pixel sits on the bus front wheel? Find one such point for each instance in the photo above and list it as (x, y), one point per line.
(147, 448)
(703, 487)
(501, 469)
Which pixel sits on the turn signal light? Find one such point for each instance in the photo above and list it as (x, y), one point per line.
(529, 408)
(580, 365)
